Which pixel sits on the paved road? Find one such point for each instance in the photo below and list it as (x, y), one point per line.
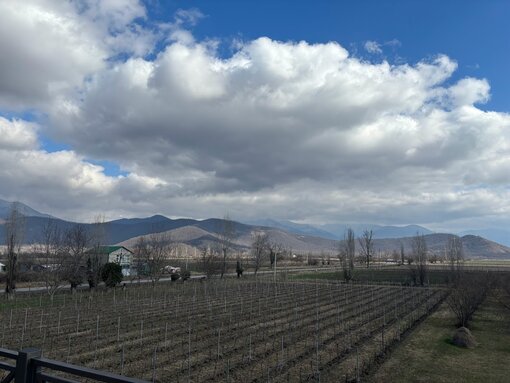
(85, 286)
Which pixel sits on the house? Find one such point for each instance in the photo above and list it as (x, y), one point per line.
(115, 254)
(3, 268)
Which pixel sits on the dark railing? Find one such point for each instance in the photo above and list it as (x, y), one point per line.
(30, 367)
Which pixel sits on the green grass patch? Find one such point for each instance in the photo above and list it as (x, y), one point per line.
(38, 299)
(396, 275)
(428, 355)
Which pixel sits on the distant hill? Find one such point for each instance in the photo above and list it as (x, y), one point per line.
(400, 231)
(27, 211)
(498, 235)
(474, 246)
(123, 229)
(293, 227)
(296, 237)
(337, 230)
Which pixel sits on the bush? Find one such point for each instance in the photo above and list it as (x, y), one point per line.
(313, 262)
(174, 277)
(111, 274)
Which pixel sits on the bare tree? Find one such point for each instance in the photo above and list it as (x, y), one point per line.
(466, 294)
(347, 253)
(395, 256)
(76, 241)
(419, 265)
(210, 264)
(367, 246)
(226, 238)
(94, 255)
(276, 249)
(54, 257)
(14, 231)
(152, 255)
(402, 254)
(455, 257)
(259, 249)
(502, 290)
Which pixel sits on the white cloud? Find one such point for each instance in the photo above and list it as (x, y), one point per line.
(284, 129)
(189, 17)
(373, 47)
(48, 47)
(63, 182)
(469, 91)
(17, 135)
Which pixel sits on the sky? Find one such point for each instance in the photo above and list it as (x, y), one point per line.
(384, 112)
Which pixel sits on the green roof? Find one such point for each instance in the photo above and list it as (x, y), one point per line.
(107, 249)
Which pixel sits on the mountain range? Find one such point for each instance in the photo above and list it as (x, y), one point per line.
(300, 238)
(337, 231)
(27, 211)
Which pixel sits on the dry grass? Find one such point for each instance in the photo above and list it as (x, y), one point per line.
(428, 354)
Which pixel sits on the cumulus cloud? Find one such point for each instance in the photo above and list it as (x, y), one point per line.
(62, 181)
(17, 135)
(48, 47)
(284, 129)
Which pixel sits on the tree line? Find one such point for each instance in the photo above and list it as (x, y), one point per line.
(66, 256)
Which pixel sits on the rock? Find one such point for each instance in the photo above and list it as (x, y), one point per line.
(463, 338)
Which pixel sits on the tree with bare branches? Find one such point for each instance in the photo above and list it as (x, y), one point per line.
(14, 231)
(76, 242)
(94, 255)
(455, 257)
(467, 292)
(209, 262)
(419, 265)
(366, 244)
(259, 249)
(346, 254)
(226, 237)
(54, 253)
(502, 290)
(152, 253)
(275, 249)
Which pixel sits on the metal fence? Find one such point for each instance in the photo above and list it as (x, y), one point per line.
(30, 367)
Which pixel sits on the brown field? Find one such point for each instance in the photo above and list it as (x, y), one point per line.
(221, 330)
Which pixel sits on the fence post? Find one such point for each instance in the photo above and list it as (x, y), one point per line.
(25, 369)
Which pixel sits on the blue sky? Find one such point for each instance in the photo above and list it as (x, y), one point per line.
(475, 33)
(389, 112)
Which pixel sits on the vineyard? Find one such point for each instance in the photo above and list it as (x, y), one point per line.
(221, 330)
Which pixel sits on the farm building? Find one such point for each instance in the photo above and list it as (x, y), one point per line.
(115, 254)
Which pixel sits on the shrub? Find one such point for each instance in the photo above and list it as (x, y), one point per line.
(313, 262)
(111, 274)
(174, 277)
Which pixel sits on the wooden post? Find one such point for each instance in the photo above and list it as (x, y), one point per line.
(25, 371)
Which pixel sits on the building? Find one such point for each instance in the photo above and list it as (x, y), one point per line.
(115, 254)
(3, 268)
